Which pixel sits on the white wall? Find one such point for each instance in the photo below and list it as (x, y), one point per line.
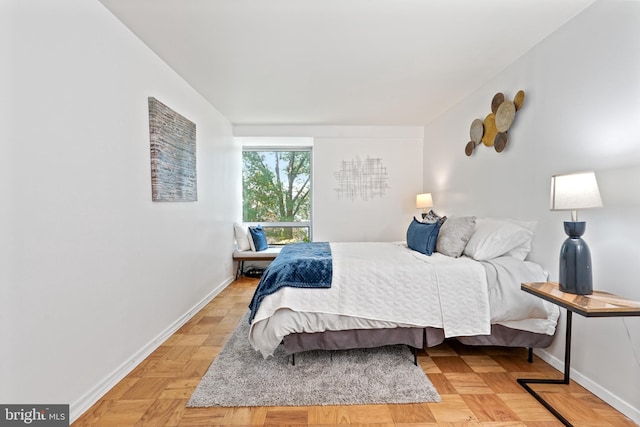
(365, 219)
(582, 112)
(94, 274)
(379, 218)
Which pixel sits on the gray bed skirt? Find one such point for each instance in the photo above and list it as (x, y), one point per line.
(414, 337)
(354, 338)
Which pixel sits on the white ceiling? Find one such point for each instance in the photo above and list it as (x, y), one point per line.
(340, 62)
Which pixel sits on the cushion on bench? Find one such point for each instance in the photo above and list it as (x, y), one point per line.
(267, 254)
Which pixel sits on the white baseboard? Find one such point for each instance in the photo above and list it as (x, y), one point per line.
(77, 408)
(593, 387)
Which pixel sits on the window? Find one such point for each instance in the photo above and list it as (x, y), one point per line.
(276, 192)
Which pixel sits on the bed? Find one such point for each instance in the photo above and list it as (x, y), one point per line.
(383, 293)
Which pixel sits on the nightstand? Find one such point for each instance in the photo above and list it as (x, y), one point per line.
(598, 304)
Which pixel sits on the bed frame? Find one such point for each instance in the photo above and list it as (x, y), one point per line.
(415, 338)
(354, 338)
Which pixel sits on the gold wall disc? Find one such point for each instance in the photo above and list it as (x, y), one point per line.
(518, 100)
(490, 130)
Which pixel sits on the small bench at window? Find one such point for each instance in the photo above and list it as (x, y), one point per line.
(267, 255)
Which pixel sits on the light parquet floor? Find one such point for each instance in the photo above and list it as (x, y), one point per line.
(477, 385)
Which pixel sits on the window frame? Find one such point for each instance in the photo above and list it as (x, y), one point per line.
(290, 224)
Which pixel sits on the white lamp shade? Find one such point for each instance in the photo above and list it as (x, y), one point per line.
(424, 201)
(575, 191)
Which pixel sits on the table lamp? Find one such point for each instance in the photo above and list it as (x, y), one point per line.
(424, 201)
(572, 192)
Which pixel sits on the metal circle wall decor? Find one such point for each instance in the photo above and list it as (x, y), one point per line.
(468, 149)
(492, 131)
(518, 100)
(498, 99)
(477, 130)
(505, 115)
(501, 141)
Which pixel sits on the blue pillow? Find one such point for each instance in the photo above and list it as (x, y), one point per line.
(259, 238)
(422, 237)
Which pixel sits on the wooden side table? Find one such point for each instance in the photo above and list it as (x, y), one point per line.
(599, 304)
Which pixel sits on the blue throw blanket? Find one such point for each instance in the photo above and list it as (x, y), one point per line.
(298, 265)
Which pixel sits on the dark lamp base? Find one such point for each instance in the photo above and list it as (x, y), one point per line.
(575, 261)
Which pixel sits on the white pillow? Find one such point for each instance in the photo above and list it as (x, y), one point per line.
(243, 239)
(252, 243)
(523, 250)
(495, 237)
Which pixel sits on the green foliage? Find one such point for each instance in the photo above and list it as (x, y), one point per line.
(284, 235)
(276, 188)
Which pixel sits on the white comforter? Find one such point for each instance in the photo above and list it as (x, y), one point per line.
(384, 285)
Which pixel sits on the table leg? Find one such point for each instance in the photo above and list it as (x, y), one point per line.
(524, 382)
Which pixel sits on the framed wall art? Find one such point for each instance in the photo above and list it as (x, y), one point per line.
(173, 155)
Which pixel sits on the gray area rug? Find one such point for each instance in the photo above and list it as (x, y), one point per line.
(241, 377)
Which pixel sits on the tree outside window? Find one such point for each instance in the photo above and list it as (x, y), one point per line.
(276, 187)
